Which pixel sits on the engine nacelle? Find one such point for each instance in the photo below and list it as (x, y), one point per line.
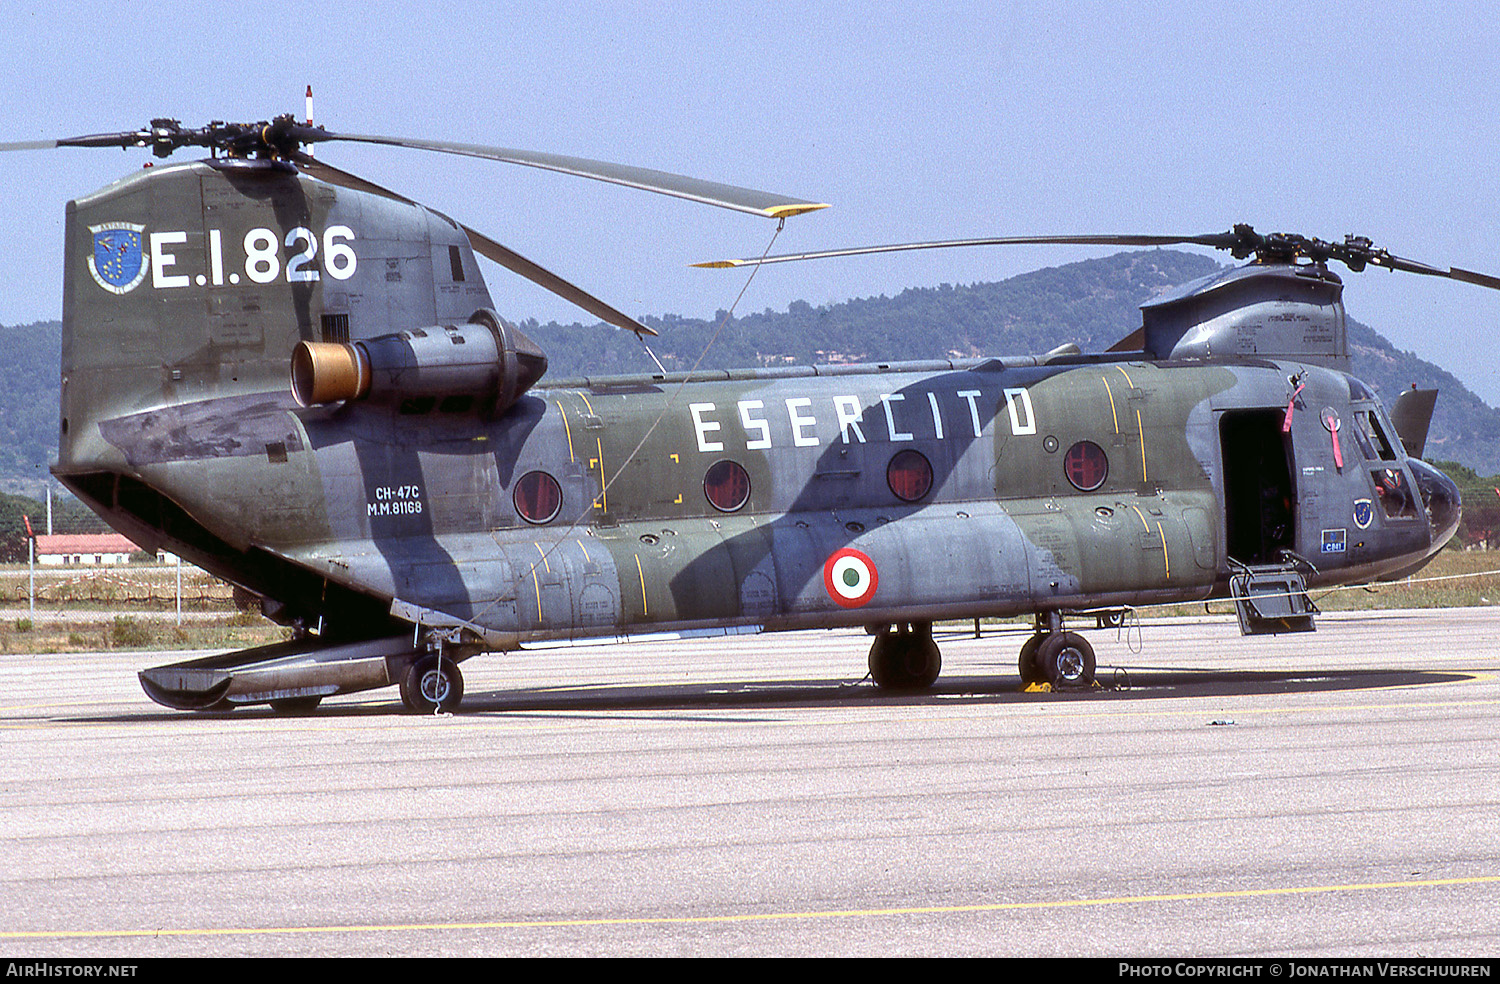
(487, 361)
(1269, 310)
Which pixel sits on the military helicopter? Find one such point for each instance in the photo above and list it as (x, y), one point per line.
(296, 379)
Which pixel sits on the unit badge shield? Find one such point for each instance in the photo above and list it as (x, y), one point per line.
(117, 261)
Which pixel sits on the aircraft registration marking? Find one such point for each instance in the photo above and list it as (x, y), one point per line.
(262, 263)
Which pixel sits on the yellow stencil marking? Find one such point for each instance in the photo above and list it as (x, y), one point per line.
(603, 501)
(567, 430)
(1164, 558)
(1112, 411)
(642, 575)
(1141, 427)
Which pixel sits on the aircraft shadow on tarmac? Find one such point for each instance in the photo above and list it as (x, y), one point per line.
(1122, 684)
(1116, 684)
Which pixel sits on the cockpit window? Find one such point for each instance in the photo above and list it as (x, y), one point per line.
(1394, 493)
(1371, 437)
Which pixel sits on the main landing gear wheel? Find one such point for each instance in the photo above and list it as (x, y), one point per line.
(906, 659)
(430, 684)
(1066, 660)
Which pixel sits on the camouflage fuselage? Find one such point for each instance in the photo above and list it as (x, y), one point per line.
(423, 509)
(787, 498)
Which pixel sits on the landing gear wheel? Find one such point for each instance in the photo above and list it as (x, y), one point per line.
(296, 705)
(430, 683)
(1030, 671)
(1066, 660)
(905, 659)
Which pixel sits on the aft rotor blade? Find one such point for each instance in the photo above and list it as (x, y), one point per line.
(284, 137)
(1218, 240)
(646, 179)
(133, 138)
(29, 145)
(487, 247)
(516, 263)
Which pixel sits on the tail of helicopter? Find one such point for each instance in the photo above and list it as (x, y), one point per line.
(194, 293)
(187, 290)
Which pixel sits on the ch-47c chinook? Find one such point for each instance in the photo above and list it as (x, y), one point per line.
(417, 494)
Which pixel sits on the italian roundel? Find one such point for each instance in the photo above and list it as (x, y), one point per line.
(850, 577)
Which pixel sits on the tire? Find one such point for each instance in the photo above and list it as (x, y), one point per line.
(905, 660)
(1026, 663)
(1066, 660)
(430, 684)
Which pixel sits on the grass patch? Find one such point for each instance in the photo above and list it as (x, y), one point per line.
(85, 633)
(1454, 579)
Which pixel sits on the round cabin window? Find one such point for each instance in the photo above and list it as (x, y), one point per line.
(1086, 466)
(909, 475)
(727, 485)
(538, 497)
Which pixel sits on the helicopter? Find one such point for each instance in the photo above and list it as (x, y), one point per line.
(297, 380)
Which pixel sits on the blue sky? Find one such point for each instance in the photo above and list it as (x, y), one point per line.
(914, 120)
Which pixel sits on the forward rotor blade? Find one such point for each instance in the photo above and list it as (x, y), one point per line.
(646, 179)
(1241, 241)
(1452, 273)
(487, 247)
(1470, 277)
(1218, 240)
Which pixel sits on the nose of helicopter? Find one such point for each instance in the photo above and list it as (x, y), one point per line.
(1440, 496)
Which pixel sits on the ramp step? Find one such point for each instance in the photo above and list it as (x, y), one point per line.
(1271, 599)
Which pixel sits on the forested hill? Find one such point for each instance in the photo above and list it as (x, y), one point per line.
(1094, 303)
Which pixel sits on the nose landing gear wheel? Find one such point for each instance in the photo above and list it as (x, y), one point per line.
(905, 659)
(430, 683)
(1066, 660)
(1026, 663)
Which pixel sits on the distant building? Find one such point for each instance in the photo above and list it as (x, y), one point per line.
(84, 549)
